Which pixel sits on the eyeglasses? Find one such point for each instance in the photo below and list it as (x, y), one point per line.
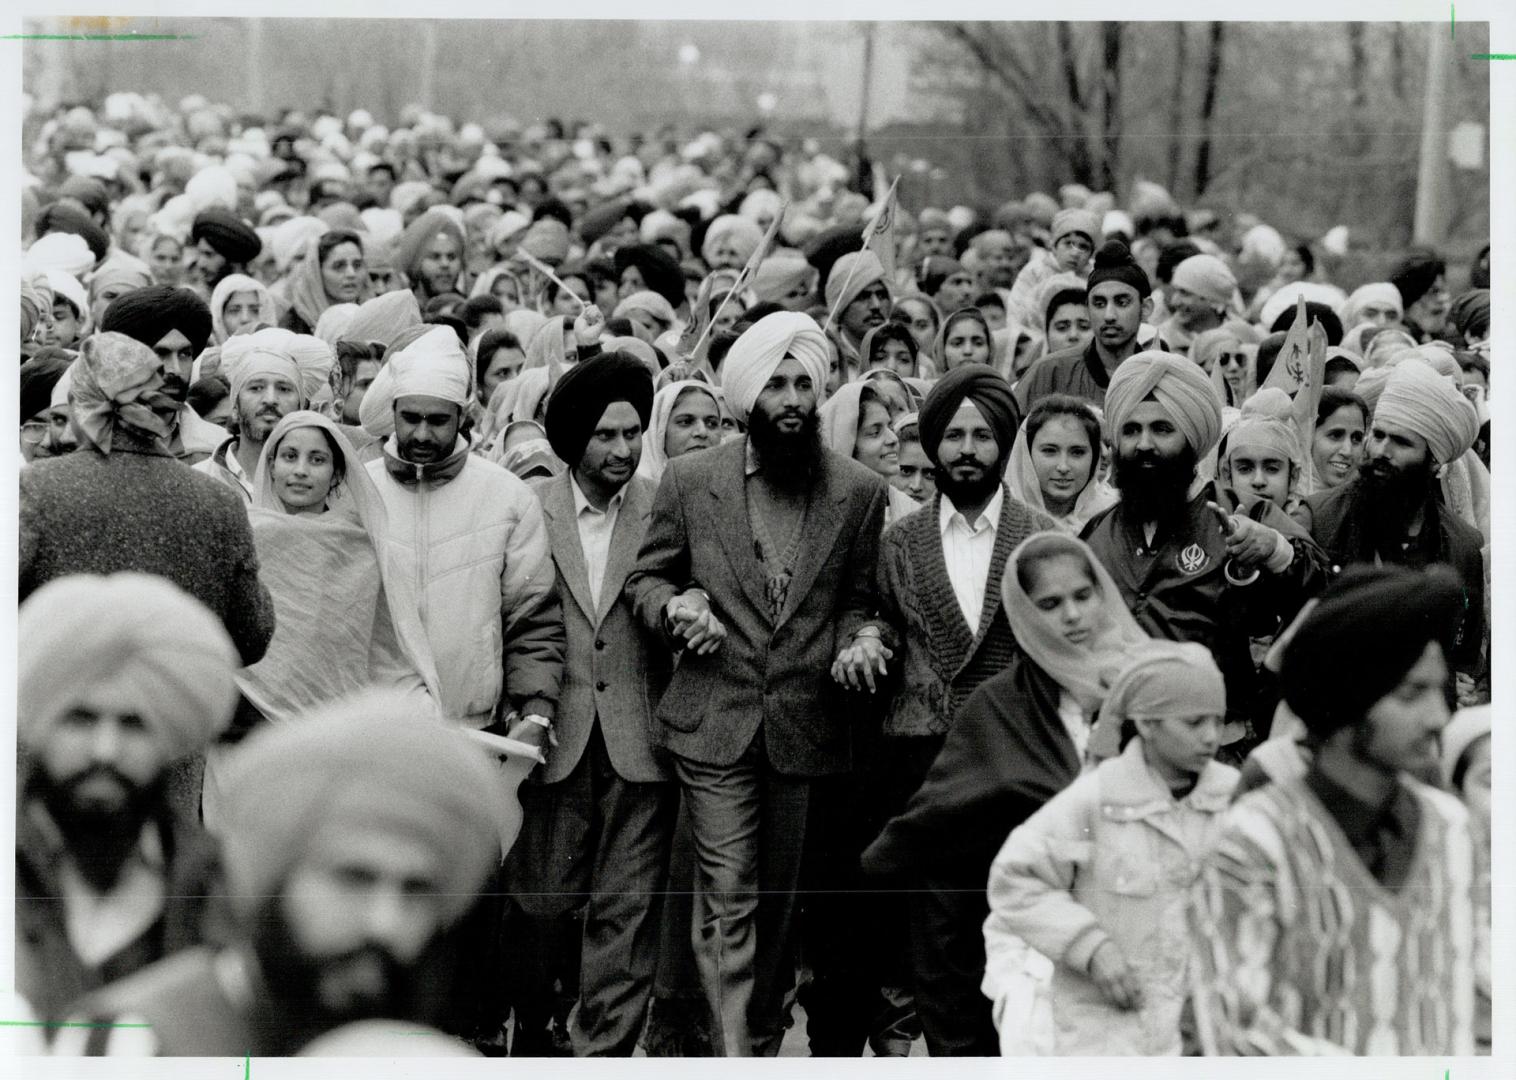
(33, 432)
(1228, 359)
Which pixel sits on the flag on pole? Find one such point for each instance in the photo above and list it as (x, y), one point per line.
(879, 237)
(704, 323)
(1300, 371)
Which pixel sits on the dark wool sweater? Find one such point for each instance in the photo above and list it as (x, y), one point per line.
(943, 660)
(139, 509)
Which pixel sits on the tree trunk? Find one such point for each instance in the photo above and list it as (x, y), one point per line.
(1208, 108)
(1176, 105)
(1397, 60)
(1358, 93)
(1076, 142)
(1110, 110)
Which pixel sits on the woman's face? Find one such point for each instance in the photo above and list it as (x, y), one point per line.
(1069, 327)
(1292, 268)
(966, 343)
(956, 292)
(240, 313)
(877, 446)
(505, 364)
(645, 324)
(166, 258)
(571, 302)
(342, 274)
(1062, 460)
(1233, 361)
(302, 471)
(922, 326)
(896, 356)
(1065, 594)
(631, 282)
(1337, 449)
(440, 264)
(505, 289)
(694, 424)
(915, 477)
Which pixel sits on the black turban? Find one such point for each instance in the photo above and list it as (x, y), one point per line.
(1114, 262)
(824, 249)
(1314, 312)
(1365, 634)
(984, 387)
(1416, 276)
(660, 272)
(68, 216)
(149, 314)
(585, 391)
(1471, 314)
(38, 377)
(231, 237)
(88, 192)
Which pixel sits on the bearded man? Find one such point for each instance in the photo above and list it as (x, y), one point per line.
(1190, 564)
(757, 564)
(120, 678)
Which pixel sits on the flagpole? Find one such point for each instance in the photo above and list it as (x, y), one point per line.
(742, 278)
(868, 235)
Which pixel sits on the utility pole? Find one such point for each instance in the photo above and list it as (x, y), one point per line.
(255, 65)
(1430, 224)
(868, 80)
(429, 65)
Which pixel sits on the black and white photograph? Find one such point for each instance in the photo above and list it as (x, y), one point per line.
(758, 535)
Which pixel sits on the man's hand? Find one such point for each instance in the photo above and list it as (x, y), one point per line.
(588, 325)
(692, 619)
(1248, 542)
(1114, 979)
(858, 661)
(529, 732)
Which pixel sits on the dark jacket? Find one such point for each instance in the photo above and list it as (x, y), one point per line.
(1178, 590)
(941, 659)
(139, 509)
(774, 673)
(49, 975)
(1334, 520)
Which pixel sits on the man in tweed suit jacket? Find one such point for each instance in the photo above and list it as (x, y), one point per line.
(759, 563)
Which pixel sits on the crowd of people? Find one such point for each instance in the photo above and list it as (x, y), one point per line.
(561, 593)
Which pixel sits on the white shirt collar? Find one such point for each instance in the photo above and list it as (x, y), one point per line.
(947, 513)
(582, 503)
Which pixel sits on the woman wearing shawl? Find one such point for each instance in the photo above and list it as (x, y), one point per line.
(965, 338)
(523, 397)
(855, 422)
(504, 284)
(344, 620)
(686, 417)
(331, 273)
(892, 347)
(1021, 737)
(922, 319)
(239, 305)
(1055, 459)
(1229, 355)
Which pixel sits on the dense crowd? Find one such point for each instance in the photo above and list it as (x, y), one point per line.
(564, 593)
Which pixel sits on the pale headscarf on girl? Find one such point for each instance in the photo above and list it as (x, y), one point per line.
(1021, 478)
(1083, 672)
(229, 286)
(346, 617)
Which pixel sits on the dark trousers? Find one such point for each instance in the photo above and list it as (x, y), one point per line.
(678, 1021)
(596, 841)
(947, 913)
(748, 823)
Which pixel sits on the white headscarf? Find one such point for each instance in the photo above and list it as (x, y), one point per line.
(1021, 478)
(229, 286)
(654, 449)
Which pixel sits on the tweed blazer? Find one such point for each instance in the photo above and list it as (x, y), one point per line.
(773, 672)
(614, 668)
(941, 659)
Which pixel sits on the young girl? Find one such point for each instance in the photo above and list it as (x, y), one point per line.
(1097, 881)
(1054, 462)
(915, 477)
(965, 338)
(855, 422)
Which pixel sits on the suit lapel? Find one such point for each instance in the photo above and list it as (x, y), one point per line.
(822, 524)
(732, 526)
(626, 538)
(563, 533)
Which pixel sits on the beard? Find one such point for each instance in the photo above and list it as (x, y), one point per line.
(973, 491)
(175, 389)
(1391, 500)
(792, 461)
(1154, 487)
(99, 838)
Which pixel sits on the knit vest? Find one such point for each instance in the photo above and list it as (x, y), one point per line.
(1375, 971)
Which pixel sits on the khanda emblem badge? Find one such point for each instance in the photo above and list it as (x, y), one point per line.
(1192, 559)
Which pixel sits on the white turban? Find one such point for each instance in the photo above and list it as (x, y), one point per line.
(334, 322)
(161, 653)
(1417, 399)
(760, 204)
(383, 224)
(759, 351)
(1179, 385)
(305, 360)
(1315, 292)
(212, 186)
(288, 238)
(1207, 277)
(58, 251)
(434, 365)
(67, 286)
(1375, 292)
(869, 270)
(742, 233)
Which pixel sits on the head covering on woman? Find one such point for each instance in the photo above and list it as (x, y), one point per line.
(344, 619)
(484, 284)
(1083, 672)
(894, 330)
(654, 444)
(1021, 478)
(839, 416)
(307, 287)
(222, 294)
(939, 344)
